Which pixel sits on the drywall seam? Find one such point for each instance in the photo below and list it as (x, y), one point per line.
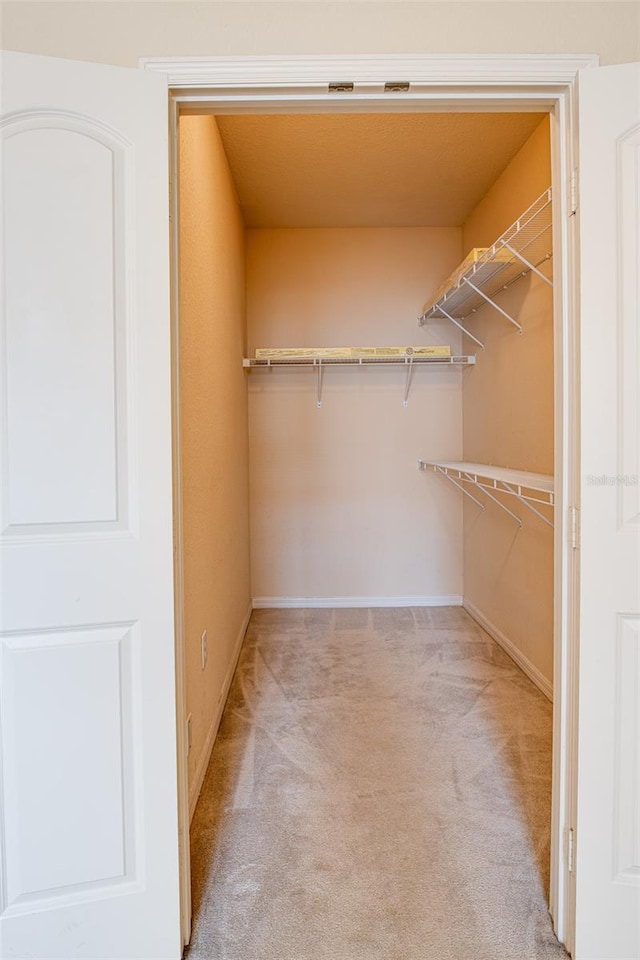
(509, 647)
(266, 603)
(205, 757)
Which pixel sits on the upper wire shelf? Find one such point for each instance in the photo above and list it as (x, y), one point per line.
(523, 248)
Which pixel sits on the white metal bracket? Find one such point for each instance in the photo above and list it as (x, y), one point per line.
(407, 382)
(457, 324)
(495, 499)
(525, 503)
(529, 265)
(422, 466)
(320, 374)
(493, 304)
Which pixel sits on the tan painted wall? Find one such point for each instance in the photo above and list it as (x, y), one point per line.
(213, 399)
(338, 507)
(120, 33)
(508, 420)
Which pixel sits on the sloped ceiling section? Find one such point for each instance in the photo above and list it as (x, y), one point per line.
(366, 170)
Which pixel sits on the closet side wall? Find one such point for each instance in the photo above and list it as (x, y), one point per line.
(509, 421)
(338, 507)
(213, 423)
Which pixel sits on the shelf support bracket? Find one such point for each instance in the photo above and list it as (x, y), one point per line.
(528, 264)
(457, 324)
(320, 373)
(407, 382)
(525, 503)
(495, 499)
(493, 304)
(459, 486)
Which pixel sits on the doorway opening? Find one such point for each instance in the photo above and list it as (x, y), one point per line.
(235, 124)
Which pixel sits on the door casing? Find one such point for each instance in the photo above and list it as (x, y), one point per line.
(467, 83)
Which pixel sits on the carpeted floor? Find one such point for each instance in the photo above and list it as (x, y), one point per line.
(379, 790)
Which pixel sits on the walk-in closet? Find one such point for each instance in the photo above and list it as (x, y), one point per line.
(351, 487)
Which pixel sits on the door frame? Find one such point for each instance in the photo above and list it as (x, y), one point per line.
(531, 82)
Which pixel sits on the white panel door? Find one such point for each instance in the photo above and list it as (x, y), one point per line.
(89, 824)
(608, 799)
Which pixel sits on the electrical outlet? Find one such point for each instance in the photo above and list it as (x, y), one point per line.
(203, 649)
(189, 734)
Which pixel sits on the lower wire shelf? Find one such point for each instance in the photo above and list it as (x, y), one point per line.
(527, 488)
(319, 363)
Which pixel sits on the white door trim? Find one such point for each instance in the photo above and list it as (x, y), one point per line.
(472, 82)
(441, 71)
(182, 748)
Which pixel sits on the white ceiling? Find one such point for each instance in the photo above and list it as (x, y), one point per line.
(361, 170)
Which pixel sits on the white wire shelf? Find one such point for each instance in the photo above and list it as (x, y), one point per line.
(357, 361)
(319, 363)
(522, 249)
(526, 487)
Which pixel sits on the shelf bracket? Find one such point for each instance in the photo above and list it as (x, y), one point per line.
(528, 264)
(493, 304)
(407, 382)
(459, 486)
(495, 499)
(459, 326)
(320, 373)
(525, 503)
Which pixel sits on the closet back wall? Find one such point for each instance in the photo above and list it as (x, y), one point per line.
(213, 422)
(338, 508)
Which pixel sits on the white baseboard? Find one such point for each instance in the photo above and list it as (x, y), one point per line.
(509, 647)
(205, 757)
(263, 603)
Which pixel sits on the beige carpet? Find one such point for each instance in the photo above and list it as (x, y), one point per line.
(379, 790)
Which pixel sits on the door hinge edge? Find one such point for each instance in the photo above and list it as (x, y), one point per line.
(573, 192)
(574, 528)
(571, 850)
